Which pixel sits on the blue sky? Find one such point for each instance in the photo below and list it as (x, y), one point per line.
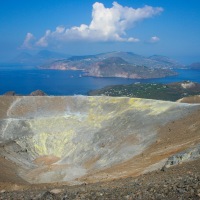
(79, 27)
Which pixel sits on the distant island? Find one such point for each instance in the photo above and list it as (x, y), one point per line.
(159, 91)
(118, 64)
(111, 64)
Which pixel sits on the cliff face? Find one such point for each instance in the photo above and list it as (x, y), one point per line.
(89, 139)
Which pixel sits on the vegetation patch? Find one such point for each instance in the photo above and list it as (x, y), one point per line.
(168, 92)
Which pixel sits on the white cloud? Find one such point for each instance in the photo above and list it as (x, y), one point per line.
(43, 41)
(131, 39)
(154, 39)
(28, 41)
(108, 24)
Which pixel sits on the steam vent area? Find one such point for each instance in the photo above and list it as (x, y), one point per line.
(80, 139)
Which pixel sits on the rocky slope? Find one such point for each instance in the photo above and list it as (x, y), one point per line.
(178, 182)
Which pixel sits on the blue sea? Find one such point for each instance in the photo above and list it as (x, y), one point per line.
(55, 82)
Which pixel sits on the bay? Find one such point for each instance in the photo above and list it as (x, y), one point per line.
(56, 82)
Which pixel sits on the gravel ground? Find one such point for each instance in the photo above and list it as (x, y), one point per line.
(178, 182)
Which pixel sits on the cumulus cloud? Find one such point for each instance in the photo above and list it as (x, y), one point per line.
(107, 24)
(28, 41)
(43, 41)
(154, 39)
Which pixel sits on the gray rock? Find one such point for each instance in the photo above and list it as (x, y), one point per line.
(184, 156)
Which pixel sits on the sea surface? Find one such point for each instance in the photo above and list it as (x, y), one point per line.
(56, 82)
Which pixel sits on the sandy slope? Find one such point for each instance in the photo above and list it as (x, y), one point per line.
(191, 99)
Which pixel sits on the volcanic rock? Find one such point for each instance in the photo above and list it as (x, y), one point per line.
(38, 93)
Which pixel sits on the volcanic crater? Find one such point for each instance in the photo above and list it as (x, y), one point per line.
(80, 139)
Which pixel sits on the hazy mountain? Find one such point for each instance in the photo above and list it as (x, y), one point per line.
(152, 61)
(195, 65)
(168, 62)
(40, 58)
(22, 58)
(45, 54)
(79, 58)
